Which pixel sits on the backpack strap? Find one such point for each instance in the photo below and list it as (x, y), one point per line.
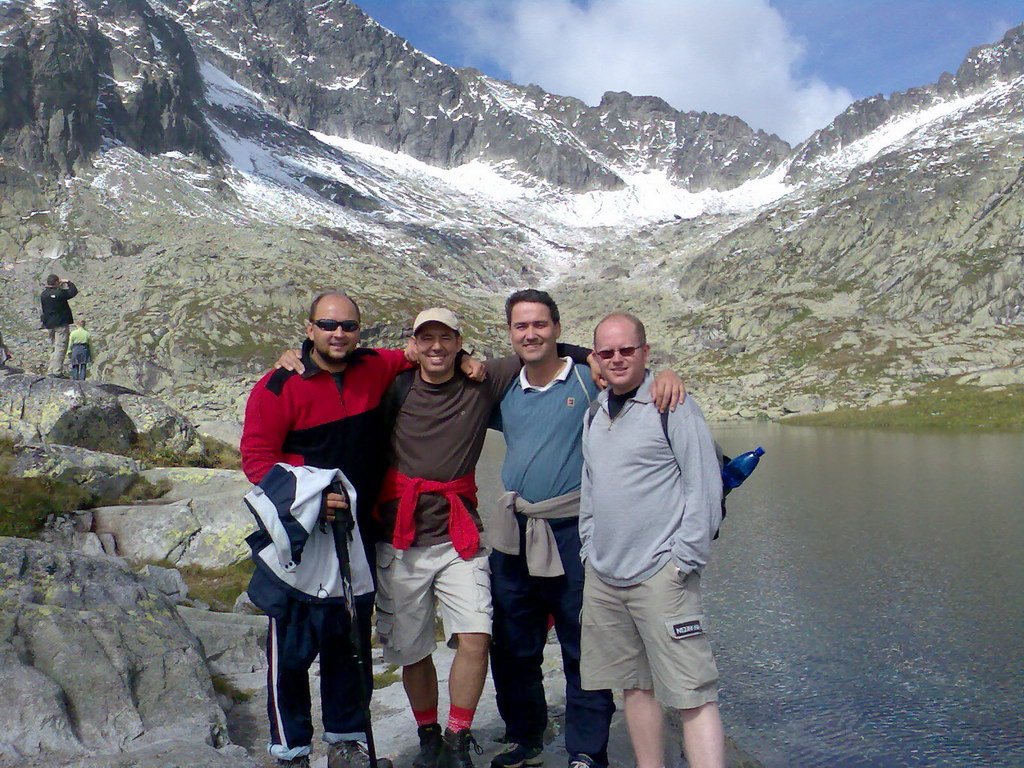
(722, 459)
(395, 396)
(583, 386)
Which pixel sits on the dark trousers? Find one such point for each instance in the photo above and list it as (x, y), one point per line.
(522, 604)
(296, 637)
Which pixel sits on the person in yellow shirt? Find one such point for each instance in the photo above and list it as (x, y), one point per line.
(80, 350)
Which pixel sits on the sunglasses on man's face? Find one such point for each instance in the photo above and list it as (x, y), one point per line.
(332, 325)
(608, 354)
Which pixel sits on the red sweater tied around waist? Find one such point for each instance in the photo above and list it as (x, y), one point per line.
(464, 534)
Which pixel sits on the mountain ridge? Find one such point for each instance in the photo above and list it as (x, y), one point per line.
(901, 220)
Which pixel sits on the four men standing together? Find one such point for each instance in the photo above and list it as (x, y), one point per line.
(642, 521)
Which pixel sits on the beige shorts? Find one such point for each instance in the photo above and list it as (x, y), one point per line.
(648, 636)
(410, 585)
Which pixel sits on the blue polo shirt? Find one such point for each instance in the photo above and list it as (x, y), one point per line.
(544, 431)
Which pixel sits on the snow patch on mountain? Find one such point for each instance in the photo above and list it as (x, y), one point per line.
(897, 133)
(647, 197)
(652, 196)
(222, 91)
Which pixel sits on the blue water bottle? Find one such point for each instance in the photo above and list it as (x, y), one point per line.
(739, 468)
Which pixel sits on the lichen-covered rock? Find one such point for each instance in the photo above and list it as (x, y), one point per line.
(100, 417)
(159, 427)
(190, 482)
(208, 532)
(17, 430)
(105, 476)
(804, 404)
(233, 642)
(996, 377)
(168, 581)
(67, 412)
(94, 661)
(229, 432)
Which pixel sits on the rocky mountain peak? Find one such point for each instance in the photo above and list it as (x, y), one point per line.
(1000, 61)
(74, 73)
(984, 67)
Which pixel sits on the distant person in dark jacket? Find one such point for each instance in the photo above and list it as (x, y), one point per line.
(5, 353)
(57, 319)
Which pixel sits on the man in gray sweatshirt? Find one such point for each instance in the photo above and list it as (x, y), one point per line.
(650, 505)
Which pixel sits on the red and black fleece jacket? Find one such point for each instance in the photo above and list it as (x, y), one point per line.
(325, 420)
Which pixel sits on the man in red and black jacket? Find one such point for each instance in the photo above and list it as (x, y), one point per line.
(330, 417)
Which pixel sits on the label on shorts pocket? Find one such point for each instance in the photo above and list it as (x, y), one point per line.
(385, 624)
(688, 626)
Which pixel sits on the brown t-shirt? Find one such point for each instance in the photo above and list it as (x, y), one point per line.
(438, 435)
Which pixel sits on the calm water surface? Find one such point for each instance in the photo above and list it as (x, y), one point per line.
(865, 598)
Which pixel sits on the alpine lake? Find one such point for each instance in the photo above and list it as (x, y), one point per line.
(865, 596)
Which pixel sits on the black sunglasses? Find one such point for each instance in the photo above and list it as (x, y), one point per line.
(608, 354)
(332, 325)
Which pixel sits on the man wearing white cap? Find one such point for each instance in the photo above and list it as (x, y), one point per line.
(431, 552)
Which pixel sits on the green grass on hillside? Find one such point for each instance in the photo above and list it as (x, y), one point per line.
(217, 587)
(219, 455)
(26, 502)
(942, 405)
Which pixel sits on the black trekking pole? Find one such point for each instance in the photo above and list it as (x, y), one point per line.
(342, 528)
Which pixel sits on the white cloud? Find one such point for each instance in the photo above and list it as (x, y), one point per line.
(730, 56)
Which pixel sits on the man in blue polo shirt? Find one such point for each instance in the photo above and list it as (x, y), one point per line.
(536, 569)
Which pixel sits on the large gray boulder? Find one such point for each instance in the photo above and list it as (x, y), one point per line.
(229, 432)
(64, 412)
(804, 403)
(192, 482)
(995, 377)
(95, 662)
(160, 428)
(103, 475)
(100, 417)
(200, 521)
(233, 643)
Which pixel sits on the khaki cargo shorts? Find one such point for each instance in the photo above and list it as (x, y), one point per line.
(648, 636)
(410, 585)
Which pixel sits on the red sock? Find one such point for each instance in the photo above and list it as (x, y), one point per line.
(425, 716)
(460, 719)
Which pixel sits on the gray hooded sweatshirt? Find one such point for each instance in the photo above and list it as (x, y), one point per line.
(644, 502)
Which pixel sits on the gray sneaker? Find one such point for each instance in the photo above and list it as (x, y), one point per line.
(352, 754)
(518, 756)
(348, 754)
(298, 762)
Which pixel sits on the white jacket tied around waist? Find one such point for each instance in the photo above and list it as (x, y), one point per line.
(287, 505)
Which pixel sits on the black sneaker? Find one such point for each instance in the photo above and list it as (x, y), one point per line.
(518, 756)
(582, 761)
(455, 749)
(298, 762)
(430, 746)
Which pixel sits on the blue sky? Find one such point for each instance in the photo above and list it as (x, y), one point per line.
(787, 66)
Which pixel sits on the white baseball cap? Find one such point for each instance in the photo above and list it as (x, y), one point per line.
(437, 315)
